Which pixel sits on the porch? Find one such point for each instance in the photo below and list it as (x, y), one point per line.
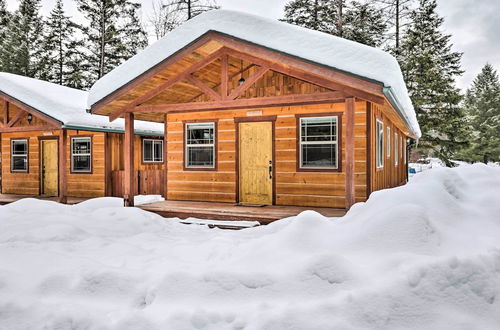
(11, 198)
(232, 212)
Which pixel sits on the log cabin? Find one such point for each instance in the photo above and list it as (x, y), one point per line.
(262, 112)
(50, 145)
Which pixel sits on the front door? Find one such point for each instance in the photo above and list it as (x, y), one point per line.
(255, 163)
(49, 168)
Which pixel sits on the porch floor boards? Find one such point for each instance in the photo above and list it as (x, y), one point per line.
(230, 211)
(10, 198)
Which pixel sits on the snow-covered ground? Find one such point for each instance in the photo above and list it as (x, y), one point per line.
(422, 256)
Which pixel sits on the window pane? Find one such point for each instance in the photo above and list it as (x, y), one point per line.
(319, 155)
(319, 129)
(19, 163)
(81, 146)
(81, 163)
(200, 133)
(200, 156)
(148, 150)
(19, 147)
(158, 151)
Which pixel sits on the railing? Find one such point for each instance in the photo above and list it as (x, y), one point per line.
(149, 182)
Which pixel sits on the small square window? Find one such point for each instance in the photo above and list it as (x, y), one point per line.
(152, 151)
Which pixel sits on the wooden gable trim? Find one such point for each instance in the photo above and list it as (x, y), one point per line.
(52, 123)
(5, 112)
(204, 88)
(248, 82)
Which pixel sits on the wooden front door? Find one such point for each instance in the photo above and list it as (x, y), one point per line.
(255, 163)
(49, 170)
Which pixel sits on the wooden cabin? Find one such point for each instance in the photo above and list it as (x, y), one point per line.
(50, 145)
(262, 112)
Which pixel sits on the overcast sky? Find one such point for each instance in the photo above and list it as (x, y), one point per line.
(472, 23)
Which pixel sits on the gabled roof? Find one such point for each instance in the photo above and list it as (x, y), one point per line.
(309, 45)
(65, 105)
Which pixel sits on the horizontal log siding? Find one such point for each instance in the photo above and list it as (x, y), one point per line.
(390, 175)
(326, 189)
(117, 159)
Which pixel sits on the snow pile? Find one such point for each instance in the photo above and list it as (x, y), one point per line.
(321, 48)
(64, 104)
(422, 256)
(147, 199)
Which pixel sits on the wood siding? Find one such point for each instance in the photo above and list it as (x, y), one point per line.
(292, 187)
(390, 175)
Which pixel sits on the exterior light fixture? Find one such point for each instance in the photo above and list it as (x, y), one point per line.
(30, 117)
(242, 80)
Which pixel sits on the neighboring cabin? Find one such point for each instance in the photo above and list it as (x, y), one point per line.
(258, 111)
(51, 146)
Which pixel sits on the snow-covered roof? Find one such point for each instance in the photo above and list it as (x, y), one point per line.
(321, 48)
(66, 105)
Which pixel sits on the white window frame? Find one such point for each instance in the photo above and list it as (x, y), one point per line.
(89, 154)
(187, 145)
(396, 148)
(334, 142)
(404, 150)
(153, 143)
(388, 142)
(25, 156)
(379, 146)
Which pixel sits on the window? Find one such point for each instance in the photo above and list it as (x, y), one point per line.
(200, 145)
(388, 142)
(19, 155)
(380, 144)
(404, 151)
(81, 155)
(152, 151)
(318, 142)
(396, 149)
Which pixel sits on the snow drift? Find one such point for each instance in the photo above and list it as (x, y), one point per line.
(422, 256)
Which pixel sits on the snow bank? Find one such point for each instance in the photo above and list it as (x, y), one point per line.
(322, 48)
(422, 256)
(64, 104)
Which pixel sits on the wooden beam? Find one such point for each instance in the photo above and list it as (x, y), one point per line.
(204, 88)
(271, 101)
(224, 79)
(63, 182)
(16, 118)
(307, 76)
(169, 83)
(29, 129)
(165, 155)
(5, 112)
(349, 152)
(128, 152)
(248, 82)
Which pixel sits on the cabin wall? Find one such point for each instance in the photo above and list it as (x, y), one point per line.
(79, 185)
(117, 162)
(390, 175)
(322, 189)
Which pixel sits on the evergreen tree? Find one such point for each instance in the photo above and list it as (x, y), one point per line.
(4, 18)
(348, 19)
(61, 48)
(430, 68)
(192, 8)
(482, 105)
(113, 34)
(21, 47)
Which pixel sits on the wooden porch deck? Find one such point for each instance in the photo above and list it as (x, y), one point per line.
(10, 198)
(229, 211)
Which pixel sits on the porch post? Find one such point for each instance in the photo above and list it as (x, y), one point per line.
(165, 157)
(62, 168)
(349, 152)
(128, 154)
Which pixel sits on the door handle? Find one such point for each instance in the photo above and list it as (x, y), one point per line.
(270, 169)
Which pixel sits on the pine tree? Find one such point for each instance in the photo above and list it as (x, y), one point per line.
(192, 8)
(348, 19)
(113, 34)
(4, 18)
(430, 67)
(482, 105)
(21, 47)
(61, 48)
